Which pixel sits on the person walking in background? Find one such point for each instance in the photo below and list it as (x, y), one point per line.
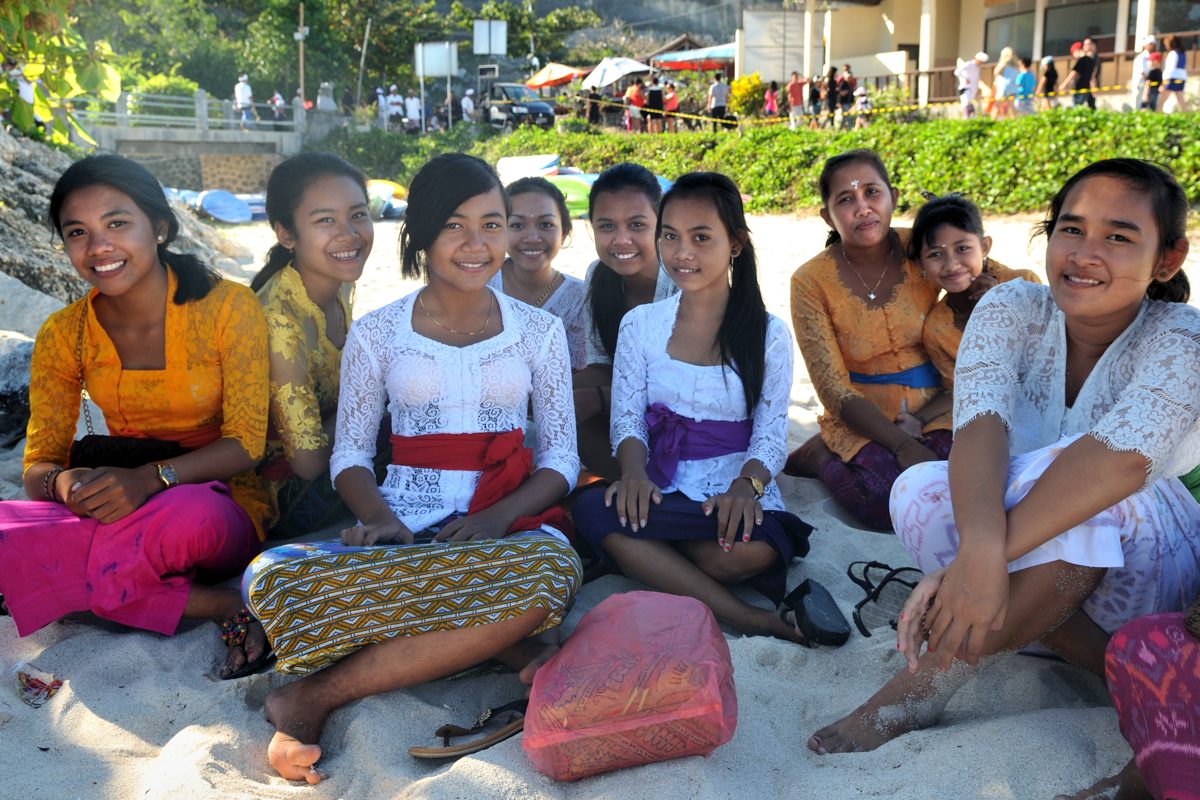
(468, 106)
(1026, 84)
(594, 99)
(815, 93)
(795, 93)
(1153, 84)
(412, 113)
(830, 95)
(1047, 82)
(1004, 80)
(862, 108)
(846, 84)
(636, 100)
(771, 100)
(1092, 51)
(968, 75)
(347, 102)
(654, 106)
(718, 101)
(1141, 71)
(670, 105)
(1174, 72)
(243, 101)
(278, 110)
(1079, 79)
(395, 109)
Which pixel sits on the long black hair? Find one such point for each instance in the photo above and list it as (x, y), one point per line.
(193, 279)
(285, 190)
(438, 189)
(539, 185)
(861, 155)
(954, 210)
(1170, 205)
(607, 293)
(742, 336)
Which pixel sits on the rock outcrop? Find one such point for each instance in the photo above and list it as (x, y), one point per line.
(14, 393)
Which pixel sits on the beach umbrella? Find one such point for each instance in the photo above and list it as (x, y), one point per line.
(715, 57)
(554, 75)
(611, 70)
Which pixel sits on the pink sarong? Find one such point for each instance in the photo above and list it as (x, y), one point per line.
(137, 571)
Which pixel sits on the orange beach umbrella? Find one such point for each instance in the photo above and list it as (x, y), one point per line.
(555, 75)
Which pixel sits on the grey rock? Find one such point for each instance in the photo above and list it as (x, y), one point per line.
(9, 340)
(23, 309)
(14, 393)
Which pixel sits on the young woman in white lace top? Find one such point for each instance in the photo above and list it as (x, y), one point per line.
(1059, 516)
(700, 391)
(455, 558)
(627, 273)
(538, 227)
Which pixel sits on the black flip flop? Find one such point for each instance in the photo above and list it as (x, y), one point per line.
(817, 615)
(233, 632)
(254, 667)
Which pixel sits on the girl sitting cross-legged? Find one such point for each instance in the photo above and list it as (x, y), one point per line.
(473, 564)
(701, 383)
(1059, 516)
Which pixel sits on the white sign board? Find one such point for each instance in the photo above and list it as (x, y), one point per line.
(774, 44)
(436, 59)
(491, 37)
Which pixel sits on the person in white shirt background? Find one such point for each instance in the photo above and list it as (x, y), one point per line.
(395, 108)
(1141, 70)
(412, 112)
(243, 98)
(968, 73)
(468, 106)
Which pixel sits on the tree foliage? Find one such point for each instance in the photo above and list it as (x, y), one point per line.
(549, 31)
(38, 36)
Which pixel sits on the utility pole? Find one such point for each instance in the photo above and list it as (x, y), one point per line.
(300, 34)
(361, 63)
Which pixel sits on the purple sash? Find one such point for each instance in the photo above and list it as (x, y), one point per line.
(674, 438)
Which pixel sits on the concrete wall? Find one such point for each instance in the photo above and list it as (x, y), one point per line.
(970, 28)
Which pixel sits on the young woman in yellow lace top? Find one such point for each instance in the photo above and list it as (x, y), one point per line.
(858, 309)
(168, 351)
(317, 204)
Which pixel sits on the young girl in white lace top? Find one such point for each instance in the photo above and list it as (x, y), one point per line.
(701, 383)
(538, 227)
(455, 558)
(1059, 516)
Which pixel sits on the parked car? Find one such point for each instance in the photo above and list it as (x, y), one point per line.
(511, 105)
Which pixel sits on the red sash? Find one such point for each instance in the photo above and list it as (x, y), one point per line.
(502, 457)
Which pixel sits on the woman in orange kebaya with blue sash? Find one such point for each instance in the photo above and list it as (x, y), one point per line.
(458, 557)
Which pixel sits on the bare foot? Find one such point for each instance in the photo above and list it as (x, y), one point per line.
(807, 459)
(249, 651)
(528, 656)
(788, 631)
(293, 750)
(1126, 785)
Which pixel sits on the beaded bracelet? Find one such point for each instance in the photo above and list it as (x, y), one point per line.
(48, 484)
(919, 418)
(903, 444)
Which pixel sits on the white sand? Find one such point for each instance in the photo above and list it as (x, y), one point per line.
(142, 716)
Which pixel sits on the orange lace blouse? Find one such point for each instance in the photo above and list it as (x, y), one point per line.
(216, 375)
(942, 335)
(839, 333)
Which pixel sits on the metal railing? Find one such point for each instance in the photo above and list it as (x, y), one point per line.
(201, 112)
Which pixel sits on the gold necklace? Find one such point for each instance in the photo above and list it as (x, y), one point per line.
(886, 267)
(488, 321)
(549, 287)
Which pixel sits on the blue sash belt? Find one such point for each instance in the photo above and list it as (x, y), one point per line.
(925, 376)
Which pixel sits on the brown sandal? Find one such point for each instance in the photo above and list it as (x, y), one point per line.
(514, 725)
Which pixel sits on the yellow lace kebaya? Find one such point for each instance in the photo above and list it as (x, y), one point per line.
(215, 378)
(305, 373)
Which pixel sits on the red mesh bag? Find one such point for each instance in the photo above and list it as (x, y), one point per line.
(645, 677)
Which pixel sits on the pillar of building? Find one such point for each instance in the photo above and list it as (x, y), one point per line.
(1120, 44)
(1039, 29)
(828, 42)
(1145, 19)
(926, 55)
(808, 40)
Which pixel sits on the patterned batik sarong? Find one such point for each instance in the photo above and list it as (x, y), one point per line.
(1153, 671)
(320, 602)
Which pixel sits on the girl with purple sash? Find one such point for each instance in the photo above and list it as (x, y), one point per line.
(701, 385)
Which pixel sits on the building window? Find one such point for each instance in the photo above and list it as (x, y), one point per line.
(1015, 31)
(1069, 24)
(1176, 16)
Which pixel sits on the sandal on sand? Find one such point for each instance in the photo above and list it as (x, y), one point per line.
(514, 725)
(233, 633)
(817, 615)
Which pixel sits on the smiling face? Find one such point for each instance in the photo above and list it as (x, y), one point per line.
(860, 205)
(954, 259)
(334, 234)
(696, 246)
(111, 242)
(1104, 250)
(623, 223)
(470, 248)
(535, 231)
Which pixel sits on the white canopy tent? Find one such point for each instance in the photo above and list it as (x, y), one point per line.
(611, 70)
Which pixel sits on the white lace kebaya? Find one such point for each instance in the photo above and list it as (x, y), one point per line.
(645, 374)
(431, 387)
(568, 304)
(664, 287)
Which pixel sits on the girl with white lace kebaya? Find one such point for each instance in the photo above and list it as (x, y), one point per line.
(701, 383)
(456, 364)
(627, 273)
(538, 227)
(1059, 516)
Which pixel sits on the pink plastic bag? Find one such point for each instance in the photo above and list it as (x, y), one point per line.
(645, 677)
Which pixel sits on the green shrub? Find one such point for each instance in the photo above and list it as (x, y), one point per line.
(1006, 167)
(747, 95)
(173, 85)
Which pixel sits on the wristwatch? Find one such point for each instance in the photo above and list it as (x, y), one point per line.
(167, 474)
(759, 489)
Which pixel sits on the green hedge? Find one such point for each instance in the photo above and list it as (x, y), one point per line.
(1008, 166)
